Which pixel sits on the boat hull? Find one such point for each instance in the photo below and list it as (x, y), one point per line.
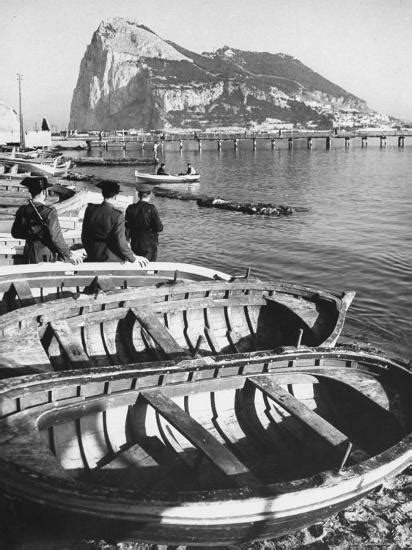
(75, 467)
(108, 327)
(48, 281)
(154, 178)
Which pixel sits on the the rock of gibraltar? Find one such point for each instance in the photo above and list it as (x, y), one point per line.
(132, 78)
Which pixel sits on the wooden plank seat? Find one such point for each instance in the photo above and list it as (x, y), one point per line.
(24, 293)
(204, 442)
(71, 345)
(22, 444)
(160, 334)
(334, 438)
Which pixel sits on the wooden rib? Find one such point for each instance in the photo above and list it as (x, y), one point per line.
(94, 345)
(24, 293)
(220, 456)
(322, 428)
(160, 334)
(71, 345)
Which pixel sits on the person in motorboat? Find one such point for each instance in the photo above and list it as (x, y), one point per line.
(143, 224)
(161, 171)
(39, 225)
(103, 231)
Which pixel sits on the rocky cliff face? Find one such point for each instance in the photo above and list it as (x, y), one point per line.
(131, 78)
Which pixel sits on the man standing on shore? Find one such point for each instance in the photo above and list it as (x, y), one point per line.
(39, 225)
(143, 225)
(103, 231)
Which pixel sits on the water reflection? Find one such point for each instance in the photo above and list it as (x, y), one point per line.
(356, 233)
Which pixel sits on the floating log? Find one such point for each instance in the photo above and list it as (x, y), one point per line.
(262, 209)
(100, 161)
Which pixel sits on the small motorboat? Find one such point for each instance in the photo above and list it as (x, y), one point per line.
(154, 178)
(207, 452)
(172, 322)
(34, 283)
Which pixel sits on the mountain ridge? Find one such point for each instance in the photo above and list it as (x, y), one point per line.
(130, 77)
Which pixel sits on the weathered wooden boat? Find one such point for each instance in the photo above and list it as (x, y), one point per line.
(34, 283)
(12, 173)
(154, 178)
(101, 161)
(169, 322)
(41, 167)
(65, 200)
(208, 452)
(11, 250)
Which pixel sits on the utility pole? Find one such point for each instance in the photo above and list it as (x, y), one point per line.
(19, 79)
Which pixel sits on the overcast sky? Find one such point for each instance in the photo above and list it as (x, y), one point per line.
(365, 46)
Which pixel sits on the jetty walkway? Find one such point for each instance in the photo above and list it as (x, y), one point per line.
(125, 140)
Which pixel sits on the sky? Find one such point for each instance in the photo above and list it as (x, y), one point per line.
(364, 46)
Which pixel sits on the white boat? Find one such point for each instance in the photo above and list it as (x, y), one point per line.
(154, 178)
(52, 167)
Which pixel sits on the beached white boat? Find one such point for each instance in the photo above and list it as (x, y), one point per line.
(154, 178)
(43, 167)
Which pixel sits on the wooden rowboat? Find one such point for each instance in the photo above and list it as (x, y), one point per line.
(170, 322)
(33, 283)
(11, 250)
(66, 201)
(206, 452)
(154, 178)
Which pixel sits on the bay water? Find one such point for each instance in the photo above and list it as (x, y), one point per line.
(355, 232)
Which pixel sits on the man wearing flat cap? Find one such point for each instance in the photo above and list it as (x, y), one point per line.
(39, 224)
(103, 232)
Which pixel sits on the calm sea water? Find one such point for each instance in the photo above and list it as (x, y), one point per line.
(355, 235)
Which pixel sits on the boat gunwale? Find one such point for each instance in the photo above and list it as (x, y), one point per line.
(249, 496)
(130, 296)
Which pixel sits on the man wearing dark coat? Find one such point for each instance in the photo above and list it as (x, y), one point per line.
(103, 231)
(143, 225)
(39, 225)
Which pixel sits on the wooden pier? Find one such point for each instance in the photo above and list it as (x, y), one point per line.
(151, 141)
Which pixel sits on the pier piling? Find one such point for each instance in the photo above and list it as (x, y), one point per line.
(235, 143)
(272, 143)
(347, 142)
(401, 142)
(309, 143)
(219, 144)
(290, 144)
(254, 143)
(382, 141)
(328, 143)
(364, 141)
